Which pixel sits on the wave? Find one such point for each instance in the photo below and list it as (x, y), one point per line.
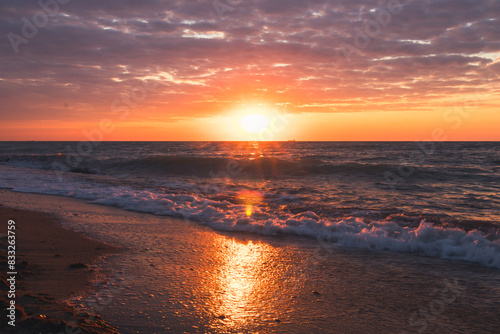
(374, 169)
(426, 239)
(262, 166)
(378, 234)
(227, 167)
(189, 165)
(48, 162)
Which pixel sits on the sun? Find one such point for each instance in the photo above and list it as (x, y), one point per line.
(254, 123)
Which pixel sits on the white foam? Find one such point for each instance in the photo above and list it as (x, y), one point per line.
(427, 239)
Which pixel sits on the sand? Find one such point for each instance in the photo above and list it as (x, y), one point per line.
(48, 258)
(183, 277)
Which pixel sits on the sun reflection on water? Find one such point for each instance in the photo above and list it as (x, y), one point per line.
(249, 210)
(250, 199)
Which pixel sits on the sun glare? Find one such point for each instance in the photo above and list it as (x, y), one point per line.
(254, 123)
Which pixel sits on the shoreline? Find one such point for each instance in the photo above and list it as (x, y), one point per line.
(53, 264)
(185, 277)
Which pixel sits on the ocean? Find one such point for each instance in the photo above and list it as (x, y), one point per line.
(421, 198)
(276, 237)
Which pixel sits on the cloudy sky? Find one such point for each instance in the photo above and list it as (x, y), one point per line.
(190, 69)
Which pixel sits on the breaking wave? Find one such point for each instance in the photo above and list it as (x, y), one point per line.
(378, 234)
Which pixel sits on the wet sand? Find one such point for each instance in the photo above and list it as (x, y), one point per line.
(53, 263)
(183, 277)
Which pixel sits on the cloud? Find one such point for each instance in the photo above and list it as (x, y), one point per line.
(92, 52)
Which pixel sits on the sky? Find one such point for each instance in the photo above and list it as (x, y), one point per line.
(195, 69)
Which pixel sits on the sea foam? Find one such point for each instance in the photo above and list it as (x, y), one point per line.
(425, 239)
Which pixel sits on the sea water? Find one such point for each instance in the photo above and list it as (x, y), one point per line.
(285, 237)
(432, 199)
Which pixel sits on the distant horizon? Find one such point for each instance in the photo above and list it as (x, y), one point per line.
(263, 141)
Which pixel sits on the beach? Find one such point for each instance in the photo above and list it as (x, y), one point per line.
(177, 276)
(52, 264)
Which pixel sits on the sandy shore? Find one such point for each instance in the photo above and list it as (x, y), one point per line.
(181, 277)
(52, 263)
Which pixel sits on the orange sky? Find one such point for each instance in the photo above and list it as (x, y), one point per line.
(180, 71)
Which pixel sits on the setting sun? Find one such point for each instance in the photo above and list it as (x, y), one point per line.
(254, 123)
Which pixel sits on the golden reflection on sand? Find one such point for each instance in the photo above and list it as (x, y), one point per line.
(240, 284)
